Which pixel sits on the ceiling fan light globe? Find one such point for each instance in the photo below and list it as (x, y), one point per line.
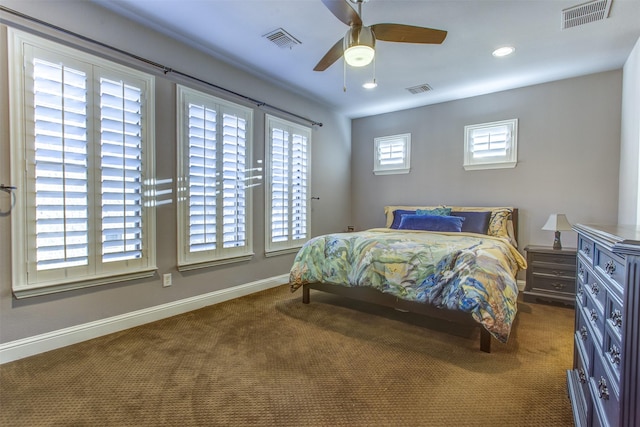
(359, 56)
(359, 46)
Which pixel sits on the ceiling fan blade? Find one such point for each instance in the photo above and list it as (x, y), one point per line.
(408, 34)
(331, 56)
(344, 12)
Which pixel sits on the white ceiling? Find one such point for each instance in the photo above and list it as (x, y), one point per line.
(462, 66)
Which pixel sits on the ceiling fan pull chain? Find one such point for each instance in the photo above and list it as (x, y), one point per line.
(344, 76)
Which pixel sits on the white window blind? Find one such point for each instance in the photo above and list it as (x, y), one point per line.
(214, 213)
(80, 125)
(491, 145)
(288, 156)
(392, 154)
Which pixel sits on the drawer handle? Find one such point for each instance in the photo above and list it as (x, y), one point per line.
(603, 391)
(558, 286)
(579, 293)
(582, 377)
(610, 268)
(583, 333)
(595, 289)
(594, 315)
(616, 318)
(614, 355)
(581, 273)
(587, 250)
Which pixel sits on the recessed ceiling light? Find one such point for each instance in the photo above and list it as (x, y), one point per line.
(370, 85)
(503, 51)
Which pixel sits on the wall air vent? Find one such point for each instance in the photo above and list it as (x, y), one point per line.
(419, 89)
(595, 10)
(282, 39)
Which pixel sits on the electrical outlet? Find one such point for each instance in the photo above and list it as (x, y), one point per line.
(166, 279)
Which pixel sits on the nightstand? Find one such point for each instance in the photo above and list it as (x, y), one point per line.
(551, 275)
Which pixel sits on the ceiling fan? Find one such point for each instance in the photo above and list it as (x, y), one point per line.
(358, 44)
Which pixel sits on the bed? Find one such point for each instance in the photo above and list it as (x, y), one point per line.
(451, 262)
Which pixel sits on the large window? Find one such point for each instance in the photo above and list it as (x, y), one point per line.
(288, 184)
(214, 201)
(82, 157)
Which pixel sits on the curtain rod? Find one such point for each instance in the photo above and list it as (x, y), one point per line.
(165, 69)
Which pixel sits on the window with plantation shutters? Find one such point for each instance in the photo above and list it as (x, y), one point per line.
(214, 203)
(392, 154)
(491, 145)
(81, 146)
(287, 189)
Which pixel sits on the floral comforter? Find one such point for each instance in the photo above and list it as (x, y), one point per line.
(460, 271)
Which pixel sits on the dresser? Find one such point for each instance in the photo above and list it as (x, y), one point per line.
(551, 275)
(604, 386)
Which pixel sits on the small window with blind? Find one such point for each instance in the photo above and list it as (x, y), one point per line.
(392, 154)
(214, 200)
(82, 158)
(288, 185)
(491, 145)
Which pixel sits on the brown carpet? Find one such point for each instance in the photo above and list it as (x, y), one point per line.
(269, 360)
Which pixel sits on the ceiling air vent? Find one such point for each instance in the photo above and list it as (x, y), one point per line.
(282, 39)
(419, 89)
(595, 10)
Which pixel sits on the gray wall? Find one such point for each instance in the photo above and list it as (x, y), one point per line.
(630, 140)
(568, 156)
(330, 171)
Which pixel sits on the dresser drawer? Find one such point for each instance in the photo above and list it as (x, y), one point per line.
(595, 317)
(604, 394)
(556, 285)
(613, 311)
(586, 247)
(611, 269)
(613, 354)
(597, 292)
(584, 341)
(583, 272)
(559, 259)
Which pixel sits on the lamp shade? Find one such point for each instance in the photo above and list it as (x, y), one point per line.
(557, 222)
(359, 46)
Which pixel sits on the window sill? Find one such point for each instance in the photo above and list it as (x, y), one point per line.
(51, 288)
(277, 252)
(213, 263)
(480, 166)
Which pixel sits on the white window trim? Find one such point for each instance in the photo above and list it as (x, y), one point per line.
(19, 43)
(195, 260)
(497, 162)
(280, 248)
(404, 167)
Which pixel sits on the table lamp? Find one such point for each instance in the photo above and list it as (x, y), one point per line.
(557, 223)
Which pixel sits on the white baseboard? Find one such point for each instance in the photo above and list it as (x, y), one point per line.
(37, 344)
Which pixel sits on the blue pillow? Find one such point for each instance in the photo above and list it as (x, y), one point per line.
(431, 223)
(474, 222)
(397, 216)
(436, 211)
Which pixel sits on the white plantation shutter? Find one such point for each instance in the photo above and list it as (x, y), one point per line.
(491, 145)
(234, 180)
(288, 184)
(81, 128)
(121, 166)
(213, 203)
(299, 187)
(280, 190)
(202, 178)
(392, 154)
(61, 163)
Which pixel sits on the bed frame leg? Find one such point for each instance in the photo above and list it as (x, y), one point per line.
(485, 340)
(305, 294)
